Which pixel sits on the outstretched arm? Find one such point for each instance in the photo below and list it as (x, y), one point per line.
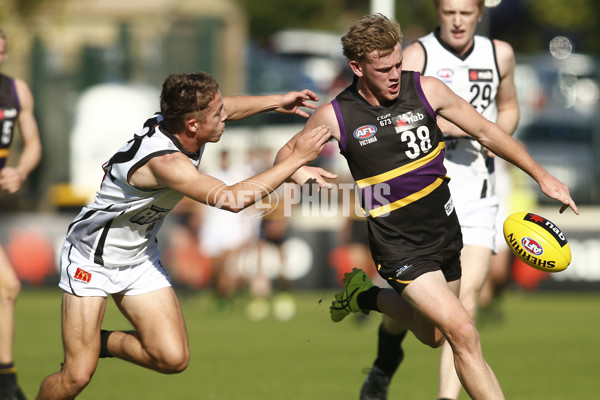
(490, 135)
(11, 179)
(177, 172)
(238, 107)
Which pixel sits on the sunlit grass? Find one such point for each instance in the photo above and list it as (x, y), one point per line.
(545, 347)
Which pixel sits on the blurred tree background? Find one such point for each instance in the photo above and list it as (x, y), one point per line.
(25, 9)
(527, 24)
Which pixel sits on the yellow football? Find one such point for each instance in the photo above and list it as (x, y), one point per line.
(537, 241)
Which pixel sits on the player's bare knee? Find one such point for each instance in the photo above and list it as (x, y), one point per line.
(464, 338)
(9, 290)
(438, 341)
(175, 362)
(76, 381)
(433, 339)
(173, 367)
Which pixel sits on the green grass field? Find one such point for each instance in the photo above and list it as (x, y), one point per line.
(546, 348)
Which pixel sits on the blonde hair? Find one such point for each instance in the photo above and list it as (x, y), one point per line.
(371, 33)
(480, 4)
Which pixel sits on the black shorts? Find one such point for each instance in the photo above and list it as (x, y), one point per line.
(400, 272)
(359, 231)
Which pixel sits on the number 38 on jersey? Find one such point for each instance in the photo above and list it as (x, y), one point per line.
(413, 133)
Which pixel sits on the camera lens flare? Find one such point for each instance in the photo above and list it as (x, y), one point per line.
(560, 47)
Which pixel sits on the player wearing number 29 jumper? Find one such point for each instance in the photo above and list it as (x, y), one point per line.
(385, 125)
(473, 76)
(111, 246)
(481, 71)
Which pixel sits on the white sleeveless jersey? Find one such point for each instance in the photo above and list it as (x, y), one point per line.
(119, 228)
(474, 77)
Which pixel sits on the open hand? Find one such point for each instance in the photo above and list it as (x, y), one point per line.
(292, 101)
(310, 175)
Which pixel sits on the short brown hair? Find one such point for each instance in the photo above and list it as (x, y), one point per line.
(183, 94)
(480, 4)
(371, 33)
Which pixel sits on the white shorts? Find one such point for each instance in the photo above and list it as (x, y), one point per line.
(83, 278)
(477, 220)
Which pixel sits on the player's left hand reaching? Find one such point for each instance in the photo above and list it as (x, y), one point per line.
(310, 175)
(555, 189)
(292, 101)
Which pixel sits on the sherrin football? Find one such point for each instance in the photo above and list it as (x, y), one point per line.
(537, 241)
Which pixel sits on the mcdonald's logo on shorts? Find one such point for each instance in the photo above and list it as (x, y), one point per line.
(82, 276)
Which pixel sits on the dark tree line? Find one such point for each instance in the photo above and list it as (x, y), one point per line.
(527, 24)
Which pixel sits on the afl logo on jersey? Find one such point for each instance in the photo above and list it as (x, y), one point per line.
(481, 75)
(445, 73)
(365, 132)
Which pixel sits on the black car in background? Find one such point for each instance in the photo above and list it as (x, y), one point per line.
(568, 147)
(560, 120)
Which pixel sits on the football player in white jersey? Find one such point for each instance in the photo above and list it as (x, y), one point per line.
(481, 71)
(111, 246)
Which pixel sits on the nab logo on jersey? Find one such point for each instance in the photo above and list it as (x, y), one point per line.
(481, 75)
(8, 113)
(409, 120)
(365, 132)
(532, 246)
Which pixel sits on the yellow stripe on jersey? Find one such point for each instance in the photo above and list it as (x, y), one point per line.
(386, 176)
(403, 282)
(387, 208)
(4, 153)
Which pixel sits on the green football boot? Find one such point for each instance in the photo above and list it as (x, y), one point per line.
(345, 302)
